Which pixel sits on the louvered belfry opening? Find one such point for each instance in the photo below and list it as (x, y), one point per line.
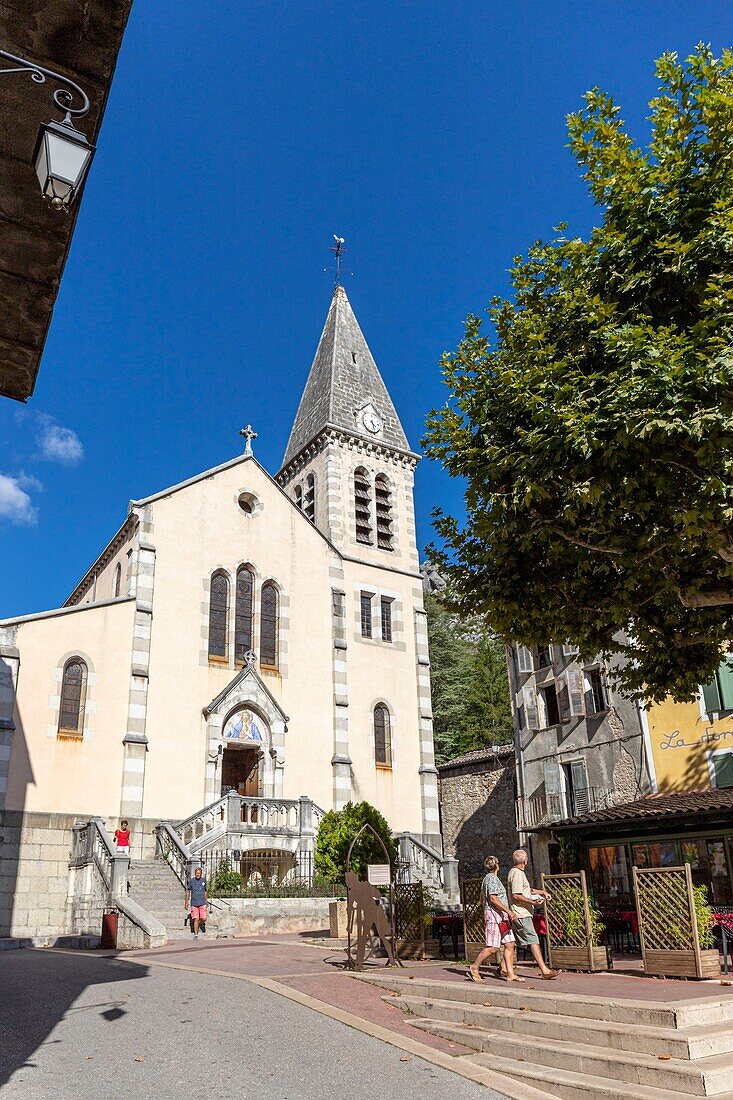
(363, 505)
(384, 513)
(309, 498)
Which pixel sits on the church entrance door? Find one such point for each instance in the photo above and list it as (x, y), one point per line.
(240, 771)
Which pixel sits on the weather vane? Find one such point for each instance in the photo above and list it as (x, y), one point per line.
(338, 250)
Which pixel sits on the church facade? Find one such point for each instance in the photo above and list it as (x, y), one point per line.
(240, 632)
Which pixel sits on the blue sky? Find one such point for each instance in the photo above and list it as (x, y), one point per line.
(238, 138)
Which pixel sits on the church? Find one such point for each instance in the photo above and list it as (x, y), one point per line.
(240, 632)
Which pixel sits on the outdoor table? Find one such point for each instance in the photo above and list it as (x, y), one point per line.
(447, 924)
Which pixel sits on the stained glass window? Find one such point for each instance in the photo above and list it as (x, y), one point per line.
(218, 614)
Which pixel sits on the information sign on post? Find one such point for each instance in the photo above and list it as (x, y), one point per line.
(378, 874)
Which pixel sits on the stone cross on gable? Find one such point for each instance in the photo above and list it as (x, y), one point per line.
(249, 435)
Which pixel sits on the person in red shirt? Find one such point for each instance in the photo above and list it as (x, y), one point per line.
(122, 839)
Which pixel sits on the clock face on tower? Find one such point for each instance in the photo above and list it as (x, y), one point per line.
(371, 421)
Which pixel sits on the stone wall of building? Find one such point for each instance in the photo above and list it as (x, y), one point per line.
(477, 809)
(34, 874)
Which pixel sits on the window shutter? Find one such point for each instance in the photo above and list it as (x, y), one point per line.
(552, 777)
(531, 717)
(723, 768)
(524, 659)
(575, 682)
(590, 704)
(711, 696)
(563, 699)
(579, 777)
(725, 684)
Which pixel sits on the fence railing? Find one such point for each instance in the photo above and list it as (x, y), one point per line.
(176, 854)
(234, 813)
(265, 874)
(91, 844)
(545, 808)
(420, 862)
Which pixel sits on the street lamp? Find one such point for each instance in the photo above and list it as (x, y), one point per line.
(62, 155)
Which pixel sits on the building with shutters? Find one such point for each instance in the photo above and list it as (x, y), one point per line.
(620, 784)
(580, 744)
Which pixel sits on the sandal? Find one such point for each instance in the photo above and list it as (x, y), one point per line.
(474, 977)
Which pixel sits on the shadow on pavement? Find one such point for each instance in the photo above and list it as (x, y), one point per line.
(40, 987)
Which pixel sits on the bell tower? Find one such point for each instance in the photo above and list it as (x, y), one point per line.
(348, 464)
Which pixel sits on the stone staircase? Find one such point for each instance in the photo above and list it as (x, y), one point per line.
(154, 886)
(578, 1047)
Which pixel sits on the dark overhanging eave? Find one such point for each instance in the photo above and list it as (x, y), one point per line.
(79, 40)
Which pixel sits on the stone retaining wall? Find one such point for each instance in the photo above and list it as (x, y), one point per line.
(270, 916)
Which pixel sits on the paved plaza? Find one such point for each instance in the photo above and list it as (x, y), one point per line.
(84, 1026)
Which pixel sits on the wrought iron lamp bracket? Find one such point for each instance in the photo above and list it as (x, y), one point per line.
(63, 97)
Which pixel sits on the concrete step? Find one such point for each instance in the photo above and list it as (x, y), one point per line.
(693, 1013)
(706, 1077)
(575, 1085)
(688, 1044)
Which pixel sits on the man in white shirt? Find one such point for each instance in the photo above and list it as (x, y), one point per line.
(522, 901)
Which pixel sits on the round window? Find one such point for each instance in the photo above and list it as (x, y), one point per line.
(247, 502)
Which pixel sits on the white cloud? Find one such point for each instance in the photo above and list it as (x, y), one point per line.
(15, 503)
(58, 444)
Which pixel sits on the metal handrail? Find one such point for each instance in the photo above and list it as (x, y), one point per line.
(175, 852)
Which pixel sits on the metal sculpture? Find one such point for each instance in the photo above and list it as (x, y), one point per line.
(365, 914)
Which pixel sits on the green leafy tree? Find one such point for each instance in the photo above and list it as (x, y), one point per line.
(595, 428)
(470, 687)
(336, 832)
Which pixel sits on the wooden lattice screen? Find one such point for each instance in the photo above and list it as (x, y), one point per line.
(663, 905)
(569, 929)
(565, 910)
(474, 932)
(410, 918)
(670, 939)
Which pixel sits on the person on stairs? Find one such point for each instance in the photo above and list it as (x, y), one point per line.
(523, 900)
(197, 900)
(498, 920)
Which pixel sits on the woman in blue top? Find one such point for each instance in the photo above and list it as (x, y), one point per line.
(498, 919)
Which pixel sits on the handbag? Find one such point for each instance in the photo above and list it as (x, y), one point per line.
(505, 927)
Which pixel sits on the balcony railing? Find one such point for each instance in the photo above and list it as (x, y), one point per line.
(544, 809)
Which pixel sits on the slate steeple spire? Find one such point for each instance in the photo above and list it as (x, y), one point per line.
(344, 388)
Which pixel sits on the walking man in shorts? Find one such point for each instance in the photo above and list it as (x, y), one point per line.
(522, 900)
(197, 898)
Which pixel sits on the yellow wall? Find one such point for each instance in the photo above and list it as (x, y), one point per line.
(682, 737)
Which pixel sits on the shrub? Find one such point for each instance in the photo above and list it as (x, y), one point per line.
(338, 829)
(225, 881)
(704, 917)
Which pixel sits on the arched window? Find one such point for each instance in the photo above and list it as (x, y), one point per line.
(299, 496)
(118, 579)
(218, 614)
(243, 613)
(383, 500)
(363, 506)
(382, 736)
(73, 697)
(309, 499)
(268, 625)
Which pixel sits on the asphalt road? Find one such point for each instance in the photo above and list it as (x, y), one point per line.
(80, 1027)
